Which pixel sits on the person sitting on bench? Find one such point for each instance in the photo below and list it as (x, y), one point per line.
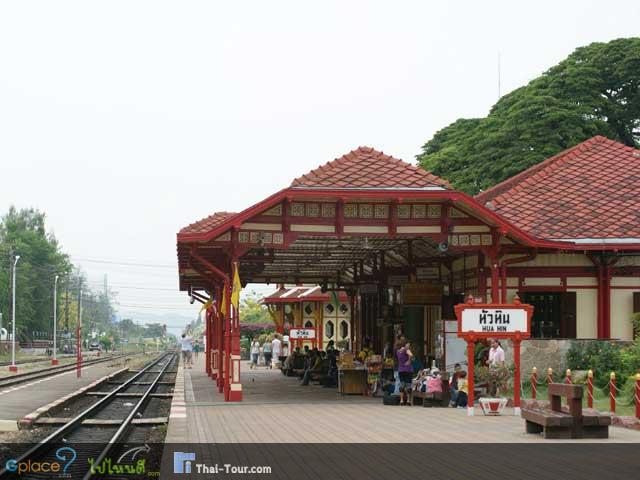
(453, 385)
(331, 378)
(463, 390)
(290, 360)
(315, 365)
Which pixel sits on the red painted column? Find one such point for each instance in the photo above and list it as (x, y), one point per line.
(503, 272)
(220, 351)
(235, 386)
(600, 321)
(516, 376)
(227, 341)
(495, 282)
(470, 372)
(607, 302)
(207, 337)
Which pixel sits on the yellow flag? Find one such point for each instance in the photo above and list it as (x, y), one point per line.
(223, 304)
(206, 305)
(237, 286)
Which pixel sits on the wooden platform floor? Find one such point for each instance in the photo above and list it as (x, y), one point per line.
(277, 409)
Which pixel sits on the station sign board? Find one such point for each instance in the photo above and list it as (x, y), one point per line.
(419, 293)
(302, 333)
(494, 320)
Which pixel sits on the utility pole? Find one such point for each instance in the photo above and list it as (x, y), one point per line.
(66, 305)
(54, 360)
(79, 331)
(13, 367)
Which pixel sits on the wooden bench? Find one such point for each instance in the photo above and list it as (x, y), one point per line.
(435, 399)
(556, 423)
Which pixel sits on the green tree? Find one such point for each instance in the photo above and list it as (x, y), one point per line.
(23, 232)
(594, 91)
(252, 311)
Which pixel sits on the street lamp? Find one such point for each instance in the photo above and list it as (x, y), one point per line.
(13, 367)
(54, 360)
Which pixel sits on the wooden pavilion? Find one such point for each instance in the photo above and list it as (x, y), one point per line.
(405, 248)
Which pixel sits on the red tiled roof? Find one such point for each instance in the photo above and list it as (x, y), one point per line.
(368, 168)
(590, 191)
(301, 293)
(208, 223)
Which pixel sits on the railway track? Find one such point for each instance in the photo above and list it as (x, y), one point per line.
(45, 372)
(97, 434)
(35, 360)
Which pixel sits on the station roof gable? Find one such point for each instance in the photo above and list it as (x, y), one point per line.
(365, 168)
(588, 193)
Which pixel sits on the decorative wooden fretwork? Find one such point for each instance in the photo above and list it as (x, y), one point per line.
(278, 238)
(434, 211)
(454, 213)
(328, 210)
(259, 237)
(381, 211)
(274, 211)
(313, 210)
(366, 210)
(419, 210)
(404, 211)
(470, 240)
(225, 237)
(350, 210)
(297, 209)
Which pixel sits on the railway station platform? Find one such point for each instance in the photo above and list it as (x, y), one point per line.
(277, 409)
(19, 400)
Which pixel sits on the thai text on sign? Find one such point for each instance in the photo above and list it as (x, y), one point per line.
(494, 320)
(302, 333)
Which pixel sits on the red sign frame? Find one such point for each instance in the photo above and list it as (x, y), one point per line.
(516, 337)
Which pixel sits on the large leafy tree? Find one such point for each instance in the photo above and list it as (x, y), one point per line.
(594, 91)
(23, 232)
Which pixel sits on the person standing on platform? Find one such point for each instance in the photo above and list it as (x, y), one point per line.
(186, 346)
(196, 349)
(496, 354)
(405, 370)
(255, 352)
(266, 353)
(276, 351)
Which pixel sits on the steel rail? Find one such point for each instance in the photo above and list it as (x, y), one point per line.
(77, 420)
(127, 421)
(44, 372)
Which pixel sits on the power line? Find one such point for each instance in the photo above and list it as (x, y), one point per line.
(126, 263)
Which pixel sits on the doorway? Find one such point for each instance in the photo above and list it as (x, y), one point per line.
(554, 314)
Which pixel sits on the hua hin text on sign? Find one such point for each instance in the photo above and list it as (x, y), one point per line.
(494, 320)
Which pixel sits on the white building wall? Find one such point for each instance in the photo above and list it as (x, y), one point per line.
(622, 306)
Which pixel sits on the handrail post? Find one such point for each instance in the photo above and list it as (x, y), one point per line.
(567, 378)
(612, 392)
(637, 395)
(534, 382)
(590, 389)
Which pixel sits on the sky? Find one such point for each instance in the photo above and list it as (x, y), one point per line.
(126, 120)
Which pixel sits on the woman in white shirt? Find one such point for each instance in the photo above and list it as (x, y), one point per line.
(255, 352)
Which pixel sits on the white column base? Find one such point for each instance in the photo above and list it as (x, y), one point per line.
(470, 411)
(516, 411)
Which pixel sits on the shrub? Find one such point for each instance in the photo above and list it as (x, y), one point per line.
(496, 377)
